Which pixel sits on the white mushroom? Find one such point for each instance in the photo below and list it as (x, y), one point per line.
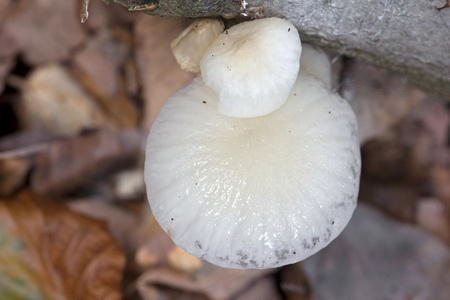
(252, 66)
(253, 192)
(315, 62)
(190, 46)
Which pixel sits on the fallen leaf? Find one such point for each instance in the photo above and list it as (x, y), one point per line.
(377, 258)
(99, 66)
(212, 281)
(154, 251)
(263, 289)
(387, 159)
(396, 200)
(6, 65)
(121, 223)
(48, 252)
(16, 153)
(44, 30)
(182, 261)
(293, 283)
(379, 97)
(426, 130)
(21, 141)
(99, 15)
(69, 163)
(100, 59)
(431, 215)
(154, 244)
(52, 99)
(12, 175)
(441, 182)
(9, 46)
(160, 75)
(4, 8)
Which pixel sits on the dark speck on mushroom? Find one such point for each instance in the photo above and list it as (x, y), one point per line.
(289, 29)
(306, 245)
(198, 244)
(204, 102)
(315, 240)
(171, 219)
(282, 254)
(295, 94)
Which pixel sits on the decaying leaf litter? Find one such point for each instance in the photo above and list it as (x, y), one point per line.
(76, 103)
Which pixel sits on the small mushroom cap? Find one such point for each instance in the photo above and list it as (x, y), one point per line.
(190, 46)
(315, 61)
(252, 66)
(253, 192)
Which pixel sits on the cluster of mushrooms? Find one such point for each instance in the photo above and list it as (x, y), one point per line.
(255, 163)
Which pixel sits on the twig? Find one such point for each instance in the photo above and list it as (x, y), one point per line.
(447, 4)
(84, 13)
(25, 151)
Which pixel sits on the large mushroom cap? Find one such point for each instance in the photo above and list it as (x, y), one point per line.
(259, 192)
(252, 66)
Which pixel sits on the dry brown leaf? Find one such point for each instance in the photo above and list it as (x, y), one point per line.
(52, 99)
(431, 214)
(160, 74)
(121, 223)
(4, 9)
(99, 66)
(22, 140)
(154, 243)
(48, 252)
(397, 200)
(377, 258)
(379, 97)
(99, 60)
(69, 163)
(6, 64)
(98, 15)
(210, 280)
(263, 289)
(9, 46)
(182, 261)
(293, 283)
(44, 30)
(153, 252)
(441, 181)
(426, 130)
(16, 153)
(13, 173)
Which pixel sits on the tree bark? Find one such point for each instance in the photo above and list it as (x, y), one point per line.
(412, 37)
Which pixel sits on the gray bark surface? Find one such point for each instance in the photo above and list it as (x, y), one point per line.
(412, 37)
